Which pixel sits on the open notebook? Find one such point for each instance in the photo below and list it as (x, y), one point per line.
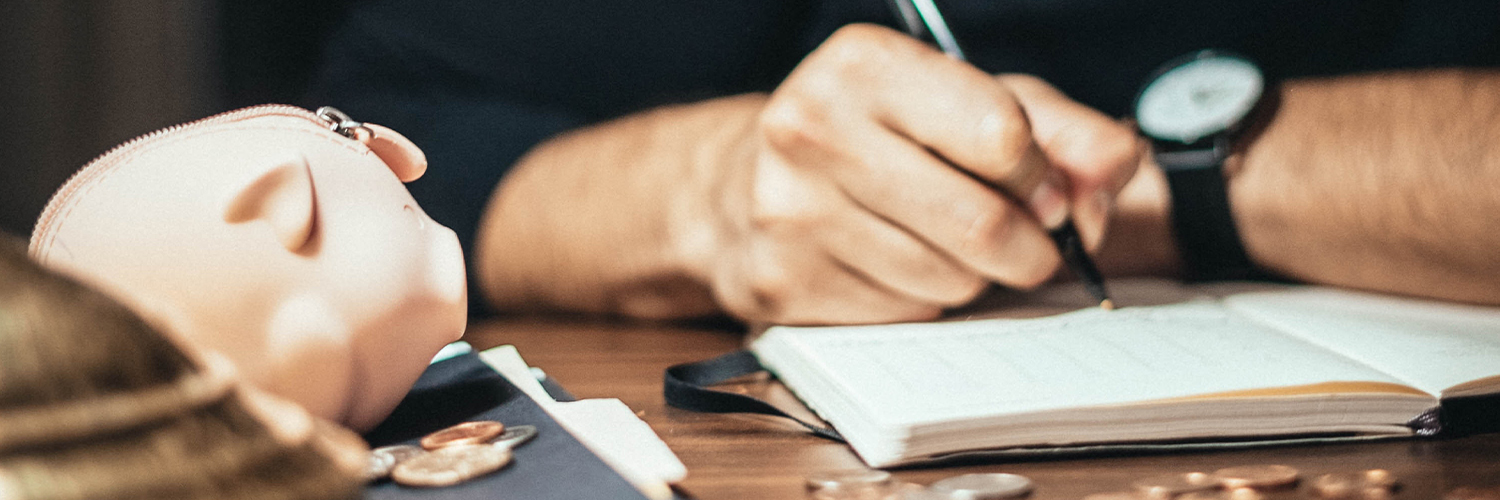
(1285, 362)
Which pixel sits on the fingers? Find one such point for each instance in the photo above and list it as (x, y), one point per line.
(795, 284)
(891, 181)
(948, 106)
(1098, 153)
(817, 257)
(970, 222)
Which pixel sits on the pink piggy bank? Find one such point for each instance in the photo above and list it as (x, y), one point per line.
(280, 238)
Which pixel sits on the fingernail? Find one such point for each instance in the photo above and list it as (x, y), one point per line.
(1049, 205)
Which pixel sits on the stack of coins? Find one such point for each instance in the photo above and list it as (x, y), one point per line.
(449, 456)
(1257, 482)
(866, 484)
(1472, 493)
(853, 484)
(1373, 484)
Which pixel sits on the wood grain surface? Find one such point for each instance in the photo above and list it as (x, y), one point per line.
(732, 457)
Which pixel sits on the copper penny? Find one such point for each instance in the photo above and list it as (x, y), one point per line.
(1171, 485)
(450, 465)
(1470, 493)
(1378, 478)
(476, 432)
(1234, 494)
(1256, 476)
(1369, 484)
(1113, 495)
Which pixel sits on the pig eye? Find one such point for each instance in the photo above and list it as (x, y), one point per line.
(421, 224)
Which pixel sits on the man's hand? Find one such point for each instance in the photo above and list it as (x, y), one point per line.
(885, 181)
(882, 181)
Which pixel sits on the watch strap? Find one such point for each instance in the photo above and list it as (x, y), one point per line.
(1203, 224)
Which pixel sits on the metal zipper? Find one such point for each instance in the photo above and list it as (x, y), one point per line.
(336, 120)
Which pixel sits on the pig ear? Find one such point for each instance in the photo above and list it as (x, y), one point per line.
(398, 152)
(283, 197)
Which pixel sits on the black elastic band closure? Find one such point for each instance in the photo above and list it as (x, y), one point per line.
(686, 386)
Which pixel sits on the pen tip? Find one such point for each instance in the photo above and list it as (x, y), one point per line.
(1106, 304)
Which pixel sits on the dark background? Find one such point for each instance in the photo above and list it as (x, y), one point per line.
(78, 77)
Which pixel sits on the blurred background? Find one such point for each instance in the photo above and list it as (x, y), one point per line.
(80, 76)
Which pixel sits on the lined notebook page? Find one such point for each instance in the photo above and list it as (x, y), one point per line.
(930, 372)
(1428, 345)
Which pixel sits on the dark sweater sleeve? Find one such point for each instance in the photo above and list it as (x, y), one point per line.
(476, 84)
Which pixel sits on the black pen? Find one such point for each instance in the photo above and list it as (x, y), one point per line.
(921, 19)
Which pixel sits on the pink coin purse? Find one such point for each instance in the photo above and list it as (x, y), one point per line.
(283, 239)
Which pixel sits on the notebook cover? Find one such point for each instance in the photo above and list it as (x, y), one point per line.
(553, 466)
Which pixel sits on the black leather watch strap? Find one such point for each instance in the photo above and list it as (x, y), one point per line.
(1202, 222)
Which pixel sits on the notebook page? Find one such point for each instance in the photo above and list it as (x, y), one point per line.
(931, 372)
(1429, 345)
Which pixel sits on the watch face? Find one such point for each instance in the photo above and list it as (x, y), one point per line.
(1203, 96)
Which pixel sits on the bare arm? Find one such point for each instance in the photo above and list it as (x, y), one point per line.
(602, 219)
(882, 181)
(1387, 182)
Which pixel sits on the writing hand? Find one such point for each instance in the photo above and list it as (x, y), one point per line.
(885, 181)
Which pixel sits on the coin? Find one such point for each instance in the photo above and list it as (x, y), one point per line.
(514, 436)
(385, 458)
(1113, 495)
(1372, 483)
(1256, 476)
(983, 486)
(378, 466)
(399, 452)
(450, 465)
(1471, 493)
(1233, 494)
(849, 484)
(466, 433)
(1170, 485)
(1378, 478)
(1201, 495)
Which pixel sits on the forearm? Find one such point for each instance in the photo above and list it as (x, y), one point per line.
(605, 219)
(1386, 182)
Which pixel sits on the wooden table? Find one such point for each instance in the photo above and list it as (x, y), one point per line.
(753, 457)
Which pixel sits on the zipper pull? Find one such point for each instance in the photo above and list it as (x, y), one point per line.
(398, 152)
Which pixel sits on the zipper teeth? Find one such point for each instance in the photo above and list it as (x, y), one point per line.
(104, 161)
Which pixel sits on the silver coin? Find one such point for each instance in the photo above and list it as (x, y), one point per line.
(514, 436)
(400, 452)
(1171, 485)
(378, 466)
(983, 486)
(450, 465)
(849, 484)
(385, 458)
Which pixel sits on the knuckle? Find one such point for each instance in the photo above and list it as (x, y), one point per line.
(790, 126)
(857, 49)
(1005, 138)
(773, 214)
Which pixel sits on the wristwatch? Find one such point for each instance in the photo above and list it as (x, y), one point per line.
(1195, 110)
